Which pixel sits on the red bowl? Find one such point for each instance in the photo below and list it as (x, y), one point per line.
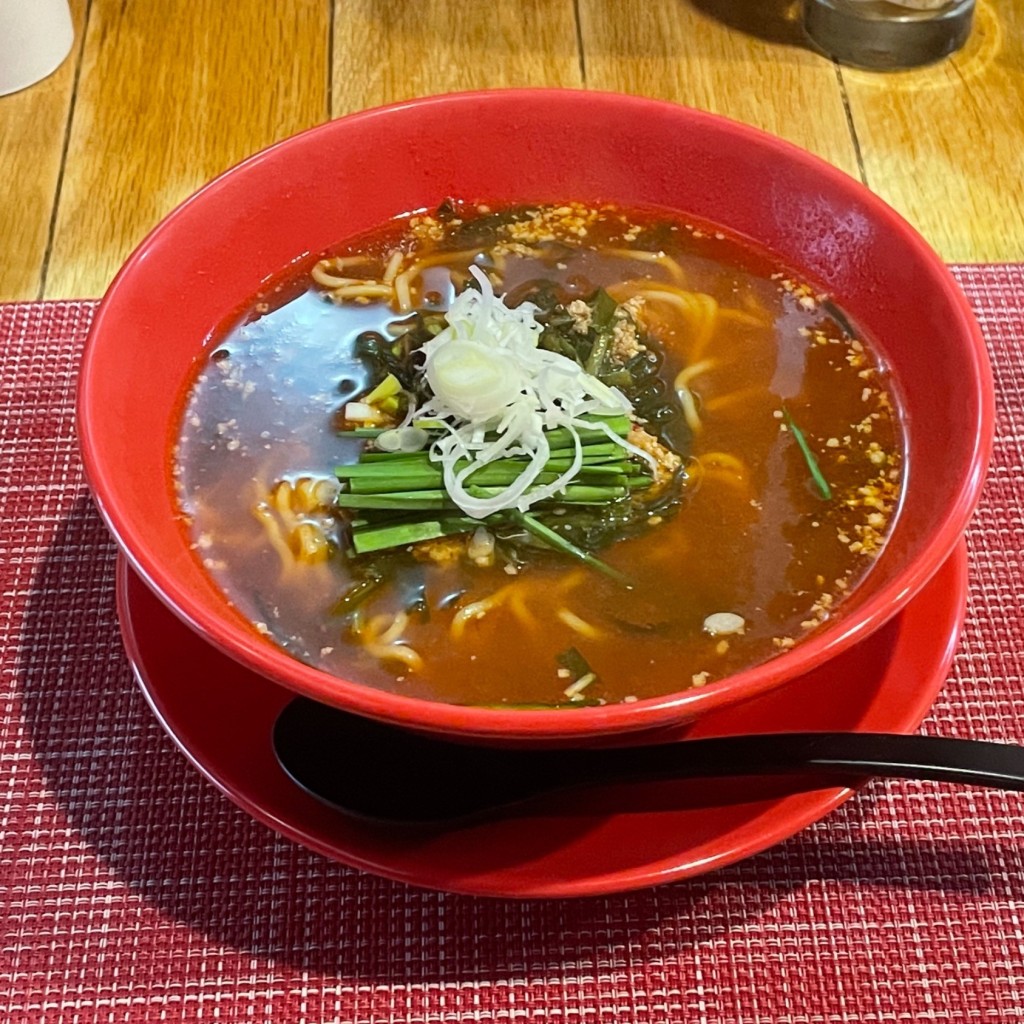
(210, 255)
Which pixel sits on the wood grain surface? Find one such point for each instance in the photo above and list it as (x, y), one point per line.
(33, 130)
(170, 94)
(945, 144)
(158, 96)
(745, 59)
(388, 50)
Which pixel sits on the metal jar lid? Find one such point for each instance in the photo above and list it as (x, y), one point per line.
(883, 35)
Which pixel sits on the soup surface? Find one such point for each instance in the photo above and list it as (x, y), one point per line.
(750, 475)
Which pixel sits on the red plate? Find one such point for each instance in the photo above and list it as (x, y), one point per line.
(606, 840)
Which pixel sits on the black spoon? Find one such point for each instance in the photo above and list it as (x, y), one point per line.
(386, 773)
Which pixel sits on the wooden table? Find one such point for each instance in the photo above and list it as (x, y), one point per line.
(158, 96)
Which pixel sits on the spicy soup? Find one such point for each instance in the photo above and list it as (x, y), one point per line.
(726, 473)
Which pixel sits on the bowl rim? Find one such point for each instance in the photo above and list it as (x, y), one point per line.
(231, 635)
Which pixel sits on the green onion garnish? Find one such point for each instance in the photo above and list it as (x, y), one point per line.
(812, 462)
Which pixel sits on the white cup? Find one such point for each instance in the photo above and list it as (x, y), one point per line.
(35, 37)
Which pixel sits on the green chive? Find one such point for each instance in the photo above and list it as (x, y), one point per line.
(812, 462)
(400, 500)
(559, 543)
(379, 538)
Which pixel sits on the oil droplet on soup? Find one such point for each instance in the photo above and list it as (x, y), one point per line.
(771, 419)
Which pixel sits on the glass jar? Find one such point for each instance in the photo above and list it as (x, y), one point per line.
(888, 34)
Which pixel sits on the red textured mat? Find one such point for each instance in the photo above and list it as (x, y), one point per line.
(132, 890)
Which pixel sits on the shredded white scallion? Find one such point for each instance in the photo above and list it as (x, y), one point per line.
(488, 375)
(403, 439)
(575, 690)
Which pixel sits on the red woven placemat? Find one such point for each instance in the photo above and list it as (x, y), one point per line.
(132, 890)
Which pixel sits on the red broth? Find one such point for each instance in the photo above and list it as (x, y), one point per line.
(784, 396)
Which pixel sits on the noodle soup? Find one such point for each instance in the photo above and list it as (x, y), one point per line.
(539, 456)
